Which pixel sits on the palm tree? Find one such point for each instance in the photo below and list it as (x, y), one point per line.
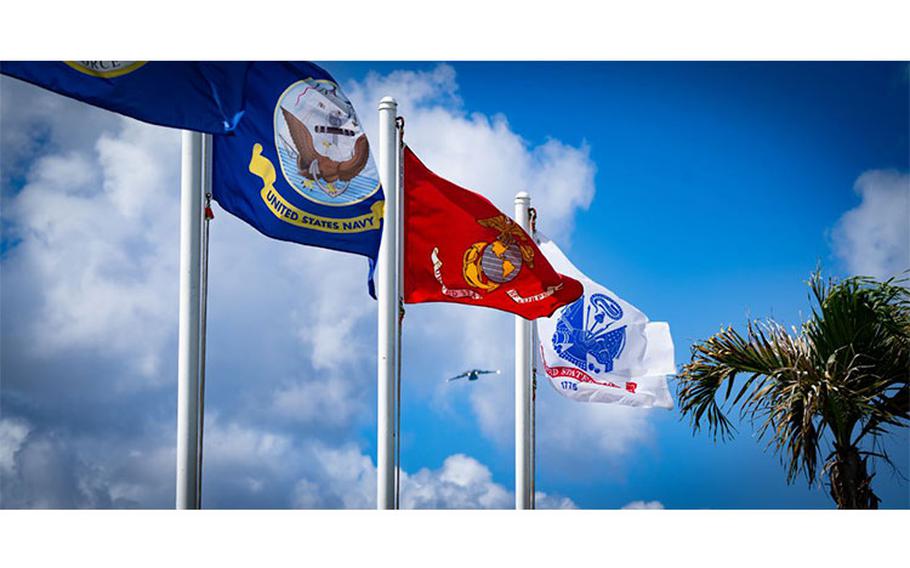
(826, 392)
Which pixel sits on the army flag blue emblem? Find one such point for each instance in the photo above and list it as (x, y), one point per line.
(201, 96)
(601, 348)
(298, 166)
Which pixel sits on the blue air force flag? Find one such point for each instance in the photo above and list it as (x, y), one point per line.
(202, 96)
(298, 166)
(601, 348)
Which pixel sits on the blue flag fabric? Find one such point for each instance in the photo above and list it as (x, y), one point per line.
(202, 96)
(298, 166)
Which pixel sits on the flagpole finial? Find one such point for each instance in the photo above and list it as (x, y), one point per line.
(522, 197)
(388, 103)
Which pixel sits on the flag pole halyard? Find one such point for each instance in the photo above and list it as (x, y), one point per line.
(399, 123)
(192, 189)
(523, 483)
(207, 147)
(388, 292)
(532, 490)
(532, 221)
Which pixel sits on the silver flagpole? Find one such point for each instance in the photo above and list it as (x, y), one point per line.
(388, 295)
(523, 383)
(192, 190)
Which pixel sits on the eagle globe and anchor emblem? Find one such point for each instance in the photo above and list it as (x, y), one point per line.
(322, 149)
(488, 265)
(584, 336)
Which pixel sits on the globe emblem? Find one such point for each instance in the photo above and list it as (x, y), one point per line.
(500, 262)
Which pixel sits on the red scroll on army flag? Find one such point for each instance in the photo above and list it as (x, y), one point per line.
(458, 247)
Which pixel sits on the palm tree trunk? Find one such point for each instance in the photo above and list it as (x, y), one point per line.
(851, 484)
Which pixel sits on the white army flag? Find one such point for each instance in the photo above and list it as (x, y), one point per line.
(601, 348)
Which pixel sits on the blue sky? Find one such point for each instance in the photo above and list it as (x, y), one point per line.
(703, 193)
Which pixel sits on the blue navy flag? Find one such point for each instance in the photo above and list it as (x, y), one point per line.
(298, 166)
(202, 96)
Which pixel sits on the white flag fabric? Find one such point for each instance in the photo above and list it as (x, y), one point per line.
(601, 348)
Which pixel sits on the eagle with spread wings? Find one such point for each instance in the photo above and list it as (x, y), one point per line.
(510, 232)
(313, 165)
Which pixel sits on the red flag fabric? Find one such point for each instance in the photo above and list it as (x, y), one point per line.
(458, 247)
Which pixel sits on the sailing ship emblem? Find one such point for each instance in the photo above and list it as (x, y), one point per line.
(322, 149)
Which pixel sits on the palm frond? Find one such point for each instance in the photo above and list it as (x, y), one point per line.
(843, 372)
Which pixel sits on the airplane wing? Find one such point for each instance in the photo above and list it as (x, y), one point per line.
(459, 376)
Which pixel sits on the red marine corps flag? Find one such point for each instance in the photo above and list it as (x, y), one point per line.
(458, 247)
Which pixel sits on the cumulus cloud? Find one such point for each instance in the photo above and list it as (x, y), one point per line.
(587, 436)
(95, 261)
(88, 297)
(464, 483)
(873, 239)
(461, 482)
(326, 403)
(644, 505)
(35, 121)
(347, 479)
(54, 468)
(12, 435)
(545, 501)
(245, 466)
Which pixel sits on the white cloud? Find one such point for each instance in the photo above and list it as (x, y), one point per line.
(57, 469)
(250, 460)
(12, 435)
(98, 247)
(873, 239)
(306, 495)
(231, 444)
(341, 477)
(329, 402)
(644, 505)
(545, 501)
(464, 483)
(35, 120)
(461, 483)
(584, 433)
